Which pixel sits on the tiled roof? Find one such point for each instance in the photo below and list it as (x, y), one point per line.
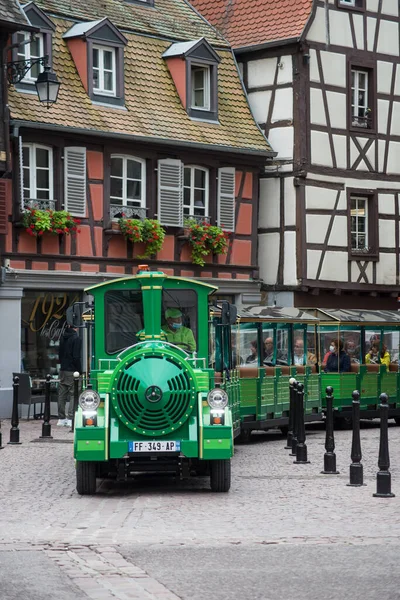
(11, 12)
(154, 110)
(252, 22)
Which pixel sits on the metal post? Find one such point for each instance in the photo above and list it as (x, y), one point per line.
(383, 477)
(295, 418)
(291, 410)
(1, 439)
(356, 468)
(329, 456)
(76, 399)
(14, 431)
(301, 450)
(46, 425)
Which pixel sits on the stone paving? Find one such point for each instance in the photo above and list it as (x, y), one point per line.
(272, 501)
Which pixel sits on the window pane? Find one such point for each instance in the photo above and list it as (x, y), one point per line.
(134, 169)
(96, 79)
(34, 71)
(42, 195)
(186, 175)
(42, 157)
(116, 167)
(108, 60)
(116, 187)
(25, 157)
(198, 78)
(199, 198)
(186, 196)
(199, 98)
(133, 190)
(35, 48)
(95, 57)
(42, 179)
(199, 178)
(108, 81)
(26, 179)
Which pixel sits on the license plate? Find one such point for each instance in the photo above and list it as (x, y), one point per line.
(153, 446)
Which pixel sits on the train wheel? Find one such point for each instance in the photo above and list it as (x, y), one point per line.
(244, 436)
(220, 475)
(86, 478)
(397, 420)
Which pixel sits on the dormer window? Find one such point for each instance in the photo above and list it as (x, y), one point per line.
(194, 69)
(31, 47)
(104, 71)
(97, 48)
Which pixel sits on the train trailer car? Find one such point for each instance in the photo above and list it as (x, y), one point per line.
(151, 404)
(370, 343)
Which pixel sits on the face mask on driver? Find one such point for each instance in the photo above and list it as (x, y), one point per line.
(176, 325)
(332, 348)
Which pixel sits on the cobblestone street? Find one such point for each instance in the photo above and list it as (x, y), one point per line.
(97, 543)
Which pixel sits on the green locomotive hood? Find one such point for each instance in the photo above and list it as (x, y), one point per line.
(153, 389)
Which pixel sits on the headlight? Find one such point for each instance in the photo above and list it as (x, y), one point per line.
(89, 400)
(217, 398)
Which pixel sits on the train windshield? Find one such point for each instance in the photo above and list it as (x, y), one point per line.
(123, 319)
(180, 308)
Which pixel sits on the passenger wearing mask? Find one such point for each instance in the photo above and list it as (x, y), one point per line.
(376, 357)
(176, 333)
(338, 361)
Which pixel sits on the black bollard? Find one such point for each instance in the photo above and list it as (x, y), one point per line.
(291, 409)
(46, 425)
(301, 449)
(76, 399)
(383, 477)
(356, 468)
(329, 456)
(14, 431)
(295, 418)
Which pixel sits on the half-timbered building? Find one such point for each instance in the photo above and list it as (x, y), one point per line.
(322, 78)
(151, 121)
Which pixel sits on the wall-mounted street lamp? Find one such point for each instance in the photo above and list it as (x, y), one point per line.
(47, 84)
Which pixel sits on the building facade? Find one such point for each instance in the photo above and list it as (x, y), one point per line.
(151, 122)
(323, 82)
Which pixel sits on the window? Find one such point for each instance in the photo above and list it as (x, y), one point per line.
(128, 181)
(195, 192)
(37, 170)
(200, 87)
(104, 71)
(186, 302)
(363, 223)
(359, 223)
(360, 105)
(352, 4)
(123, 319)
(30, 51)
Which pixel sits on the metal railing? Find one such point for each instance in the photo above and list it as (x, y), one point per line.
(130, 212)
(40, 204)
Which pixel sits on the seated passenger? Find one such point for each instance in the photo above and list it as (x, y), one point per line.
(252, 359)
(281, 358)
(373, 356)
(338, 360)
(299, 358)
(176, 333)
(353, 351)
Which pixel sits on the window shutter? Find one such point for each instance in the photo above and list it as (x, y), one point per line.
(75, 180)
(3, 206)
(170, 192)
(226, 198)
(21, 175)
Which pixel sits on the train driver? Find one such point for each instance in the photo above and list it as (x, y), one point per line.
(176, 333)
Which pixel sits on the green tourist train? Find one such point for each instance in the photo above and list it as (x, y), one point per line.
(175, 377)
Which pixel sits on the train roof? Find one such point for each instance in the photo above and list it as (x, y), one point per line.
(151, 274)
(359, 317)
(276, 314)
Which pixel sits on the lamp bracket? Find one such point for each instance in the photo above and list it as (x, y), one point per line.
(16, 70)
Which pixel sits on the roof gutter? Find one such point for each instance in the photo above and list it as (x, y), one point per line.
(141, 139)
(265, 45)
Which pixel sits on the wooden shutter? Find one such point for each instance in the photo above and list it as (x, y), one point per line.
(75, 180)
(170, 192)
(3, 206)
(21, 175)
(226, 198)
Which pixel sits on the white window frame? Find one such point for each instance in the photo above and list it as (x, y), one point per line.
(362, 199)
(125, 200)
(24, 53)
(101, 91)
(33, 172)
(355, 106)
(192, 188)
(207, 86)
